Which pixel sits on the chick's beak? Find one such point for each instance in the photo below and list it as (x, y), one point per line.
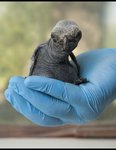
(69, 46)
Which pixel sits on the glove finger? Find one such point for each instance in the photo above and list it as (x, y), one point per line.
(15, 78)
(58, 89)
(29, 111)
(49, 105)
(46, 85)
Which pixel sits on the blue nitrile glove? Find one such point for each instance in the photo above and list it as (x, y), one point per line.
(51, 102)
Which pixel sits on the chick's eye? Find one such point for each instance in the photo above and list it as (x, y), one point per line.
(54, 37)
(55, 40)
(72, 40)
(61, 42)
(78, 35)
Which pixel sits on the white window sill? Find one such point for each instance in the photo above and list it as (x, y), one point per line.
(56, 143)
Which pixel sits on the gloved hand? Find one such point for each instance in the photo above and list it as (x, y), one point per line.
(51, 102)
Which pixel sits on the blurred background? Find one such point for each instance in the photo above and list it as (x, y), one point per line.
(24, 25)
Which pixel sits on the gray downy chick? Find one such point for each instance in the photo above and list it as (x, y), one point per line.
(51, 59)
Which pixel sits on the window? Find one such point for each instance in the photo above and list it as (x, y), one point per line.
(23, 26)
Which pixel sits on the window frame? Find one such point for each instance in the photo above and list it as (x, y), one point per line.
(79, 131)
